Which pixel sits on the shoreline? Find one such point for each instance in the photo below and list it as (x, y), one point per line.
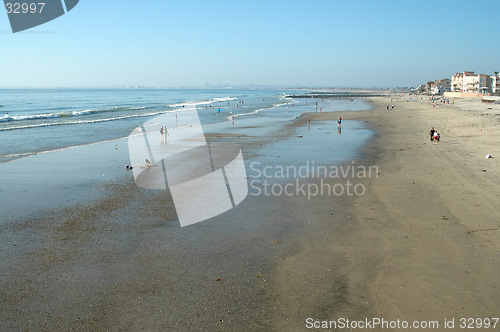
(421, 244)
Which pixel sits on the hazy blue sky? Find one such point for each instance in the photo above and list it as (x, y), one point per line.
(108, 43)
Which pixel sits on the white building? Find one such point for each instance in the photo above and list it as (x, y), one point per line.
(441, 86)
(495, 83)
(470, 82)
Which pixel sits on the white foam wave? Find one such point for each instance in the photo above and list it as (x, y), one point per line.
(202, 102)
(44, 116)
(129, 108)
(254, 111)
(8, 118)
(50, 124)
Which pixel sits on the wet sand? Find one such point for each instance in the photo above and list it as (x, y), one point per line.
(122, 262)
(421, 244)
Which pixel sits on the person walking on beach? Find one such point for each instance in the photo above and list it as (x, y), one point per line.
(431, 133)
(437, 136)
(339, 121)
(164, 134)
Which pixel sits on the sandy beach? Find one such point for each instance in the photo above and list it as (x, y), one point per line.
(421, 244)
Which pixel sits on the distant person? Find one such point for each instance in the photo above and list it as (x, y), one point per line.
(339, 121)
(431, 133)
(387, 107)
(437, 136)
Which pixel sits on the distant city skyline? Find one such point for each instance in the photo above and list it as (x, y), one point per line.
(356, 44)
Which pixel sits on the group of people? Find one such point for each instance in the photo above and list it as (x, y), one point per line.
(435, 136)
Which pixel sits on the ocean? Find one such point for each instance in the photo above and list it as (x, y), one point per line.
(34, 121)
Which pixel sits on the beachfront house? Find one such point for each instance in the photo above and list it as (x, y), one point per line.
(441, 86)
(438, 87)
(421, 88)
(470, 82)
(495, 83)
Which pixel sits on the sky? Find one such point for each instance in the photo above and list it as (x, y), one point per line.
(330, 43)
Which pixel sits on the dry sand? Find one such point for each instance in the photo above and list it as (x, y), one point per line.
(423, 243)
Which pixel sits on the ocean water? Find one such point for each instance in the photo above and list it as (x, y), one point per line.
(49, 159)
(34, 121)
(40, 120)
